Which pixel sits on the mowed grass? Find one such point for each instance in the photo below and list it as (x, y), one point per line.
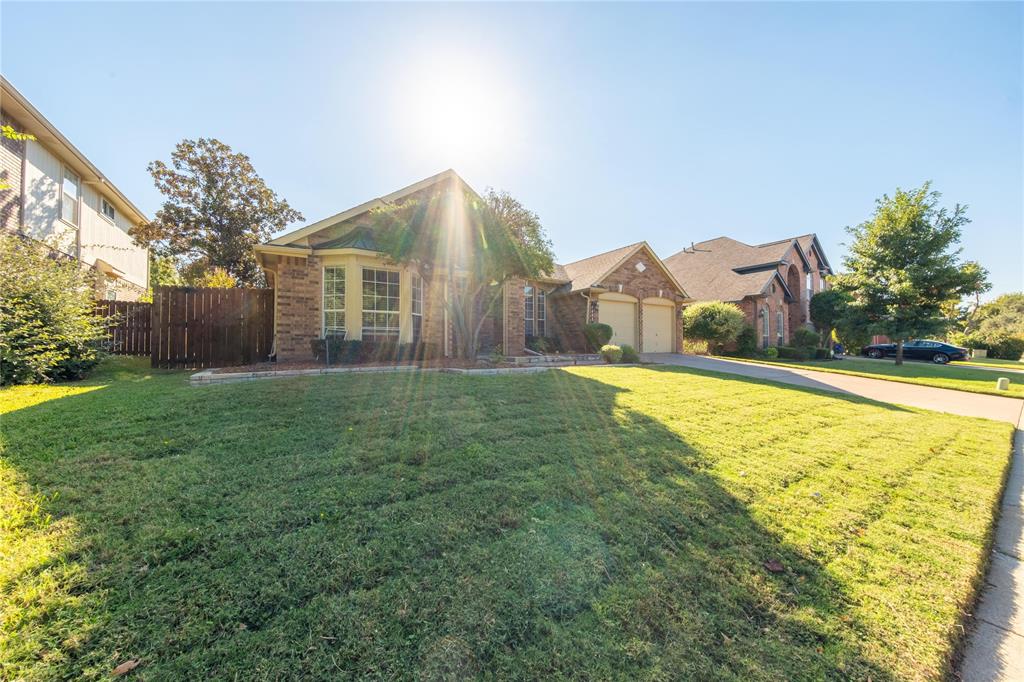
(955, 376)
(594, 523)
(994, 362)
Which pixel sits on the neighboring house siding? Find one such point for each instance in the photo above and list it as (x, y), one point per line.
(12, 158)
(93, 238)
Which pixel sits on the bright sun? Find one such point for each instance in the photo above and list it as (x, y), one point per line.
(460, 111)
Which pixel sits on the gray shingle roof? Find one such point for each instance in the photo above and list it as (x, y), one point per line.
(725, 269)
(585, 273)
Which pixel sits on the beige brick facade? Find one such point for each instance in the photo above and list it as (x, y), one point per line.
(298, 299)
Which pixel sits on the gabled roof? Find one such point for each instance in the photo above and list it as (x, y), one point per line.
(365, 207)
(809, 242)
(729, 270)
(27, 116)
(359, 238)
(592, 271)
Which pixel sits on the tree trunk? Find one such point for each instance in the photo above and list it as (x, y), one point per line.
(899, 352)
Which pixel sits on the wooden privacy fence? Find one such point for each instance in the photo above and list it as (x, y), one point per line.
(130, 329)
(211, 327)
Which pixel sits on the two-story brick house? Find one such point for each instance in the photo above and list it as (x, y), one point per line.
(53, 193)
(772, 283)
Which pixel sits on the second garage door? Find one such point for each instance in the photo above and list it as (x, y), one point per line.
(621, 316)
(657, 326)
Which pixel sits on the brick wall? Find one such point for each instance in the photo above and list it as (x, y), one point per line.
(514, 331)
(433, 330)
(567, 315)
(12, 155)
(299, 291)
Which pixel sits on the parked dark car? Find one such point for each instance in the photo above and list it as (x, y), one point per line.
(919, 349)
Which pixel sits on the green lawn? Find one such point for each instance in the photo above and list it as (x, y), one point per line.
(959, 378)
(993, 362)
(595, 523)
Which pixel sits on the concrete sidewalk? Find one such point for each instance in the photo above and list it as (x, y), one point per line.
(995, 645)
(914, 395)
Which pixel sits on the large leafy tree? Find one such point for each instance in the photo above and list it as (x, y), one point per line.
(216, 209)
(904, 266)
(476, 244)
(828, 308)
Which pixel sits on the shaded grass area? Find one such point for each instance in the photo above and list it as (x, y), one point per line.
(593, 523)
(956, 377)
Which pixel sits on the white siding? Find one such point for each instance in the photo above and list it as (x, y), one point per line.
(97, 237)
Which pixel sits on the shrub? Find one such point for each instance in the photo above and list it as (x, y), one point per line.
(746, 342)
(791, 353)
(821, 354)
(1000, 346)
(771, 352)
(804, 338)
(713, 321)
(543, 344)
(611, 354)
(597, 335)
(335, 350)
(48, 328)
(629, 354)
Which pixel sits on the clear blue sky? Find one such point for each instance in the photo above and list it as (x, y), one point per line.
(615, 122)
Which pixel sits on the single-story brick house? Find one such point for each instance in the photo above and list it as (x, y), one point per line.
(331, 276)
(772, 283)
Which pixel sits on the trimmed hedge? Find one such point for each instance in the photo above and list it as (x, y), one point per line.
(611, 354)
(629, 354)
(598, 335)
(821, 354)
(790, 353)
(543, 344)
(341, 352)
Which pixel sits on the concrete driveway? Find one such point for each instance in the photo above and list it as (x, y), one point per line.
(938, 399)
(995, 644)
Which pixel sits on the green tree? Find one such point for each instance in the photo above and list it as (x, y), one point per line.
(1004, 315)
(715, 322)
(216, 209)
(476, 244)
(828, 308)
(903, 266)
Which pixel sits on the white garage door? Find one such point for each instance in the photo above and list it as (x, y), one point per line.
(621, 316)
(657, 328)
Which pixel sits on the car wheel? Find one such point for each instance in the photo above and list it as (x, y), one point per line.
(874, 353)
(940, 358)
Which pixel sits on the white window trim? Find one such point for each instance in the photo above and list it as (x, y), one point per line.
(362, 310)
(323, 300)
(112, 221)
(60, 195)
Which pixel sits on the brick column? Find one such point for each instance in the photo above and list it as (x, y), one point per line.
(514, 309)
(299, 300)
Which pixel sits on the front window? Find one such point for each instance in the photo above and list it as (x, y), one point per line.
(778, 325)
(69, 196)
(380, 305)
(334, 300)
(417, 307)
(107, 209)
(541, 314)
(765, 335)
(528, 297)
(536, 311)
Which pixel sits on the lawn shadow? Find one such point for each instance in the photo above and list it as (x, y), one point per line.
(421, 525)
